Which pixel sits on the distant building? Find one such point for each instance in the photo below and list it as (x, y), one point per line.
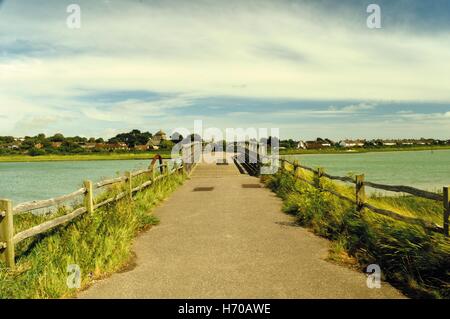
(155, 141)
(390, 142)
(141, 147)
(89, 145)
(301, 145)
(100, 145)
(352, 143)
(56, 144)
(317, 144)
(118, 146)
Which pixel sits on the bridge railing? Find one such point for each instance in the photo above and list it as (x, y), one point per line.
(359, 200)
(251, 156)
(8, 239)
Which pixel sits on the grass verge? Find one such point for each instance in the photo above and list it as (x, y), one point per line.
(98, 243)
(411, 258)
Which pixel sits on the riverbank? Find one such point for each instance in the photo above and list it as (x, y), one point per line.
(333, 150)
(99, 244)
(411, 257)
(84, 157)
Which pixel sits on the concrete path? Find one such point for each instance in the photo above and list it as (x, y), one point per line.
(220, 237)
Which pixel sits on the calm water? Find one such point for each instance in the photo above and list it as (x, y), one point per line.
(423, 169)
(30, 181)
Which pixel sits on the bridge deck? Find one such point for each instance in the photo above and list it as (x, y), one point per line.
(222, 237)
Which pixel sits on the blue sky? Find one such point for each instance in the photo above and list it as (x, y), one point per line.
(309, 68)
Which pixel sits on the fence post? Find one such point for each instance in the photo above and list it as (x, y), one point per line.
(7, 233)
(317, 176)
(360, 193)
(153, 176)
(167, 170)
(183, 163)
(297, 169)
(129, 184)
(446, 210)
(89, 197)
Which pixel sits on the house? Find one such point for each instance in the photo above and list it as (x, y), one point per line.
(56, 144)
(89, 145)
(141, 147)
(317, 144)
(311, 145)
(155, 142)
(407, 142)
(39, 146)
(100, 145)
(118, 146)
(389, 142)
(301, 144)
(352, 143)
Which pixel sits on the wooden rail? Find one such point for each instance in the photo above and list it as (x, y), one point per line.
(8, 239)
(360, 197)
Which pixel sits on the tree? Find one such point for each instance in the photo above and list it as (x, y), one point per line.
(133, 138)
(58, 137)
(6, 139)
(71, 147)
(28, 143)
(36, 152)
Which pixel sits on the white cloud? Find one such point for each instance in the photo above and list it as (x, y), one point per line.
(245, 49)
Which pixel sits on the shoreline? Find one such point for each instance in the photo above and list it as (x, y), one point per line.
(362, 151)
(80, 157)
(166, 155)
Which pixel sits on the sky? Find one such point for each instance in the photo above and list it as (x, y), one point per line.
(309, 68)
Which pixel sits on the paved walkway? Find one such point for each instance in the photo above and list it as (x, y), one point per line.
(220, 237)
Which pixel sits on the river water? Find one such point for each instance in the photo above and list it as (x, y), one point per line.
(41, 180)
(429, 170)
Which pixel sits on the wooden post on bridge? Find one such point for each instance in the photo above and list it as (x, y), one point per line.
(446, 210)
(89, 197)
(360, 193)
(7, 233)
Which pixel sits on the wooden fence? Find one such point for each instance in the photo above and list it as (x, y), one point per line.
(360, 194)
(8, 239)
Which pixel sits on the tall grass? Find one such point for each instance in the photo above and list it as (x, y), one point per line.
(98, 243)
(412, 258)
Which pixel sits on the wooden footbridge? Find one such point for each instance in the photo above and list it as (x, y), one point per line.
(222, 235)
